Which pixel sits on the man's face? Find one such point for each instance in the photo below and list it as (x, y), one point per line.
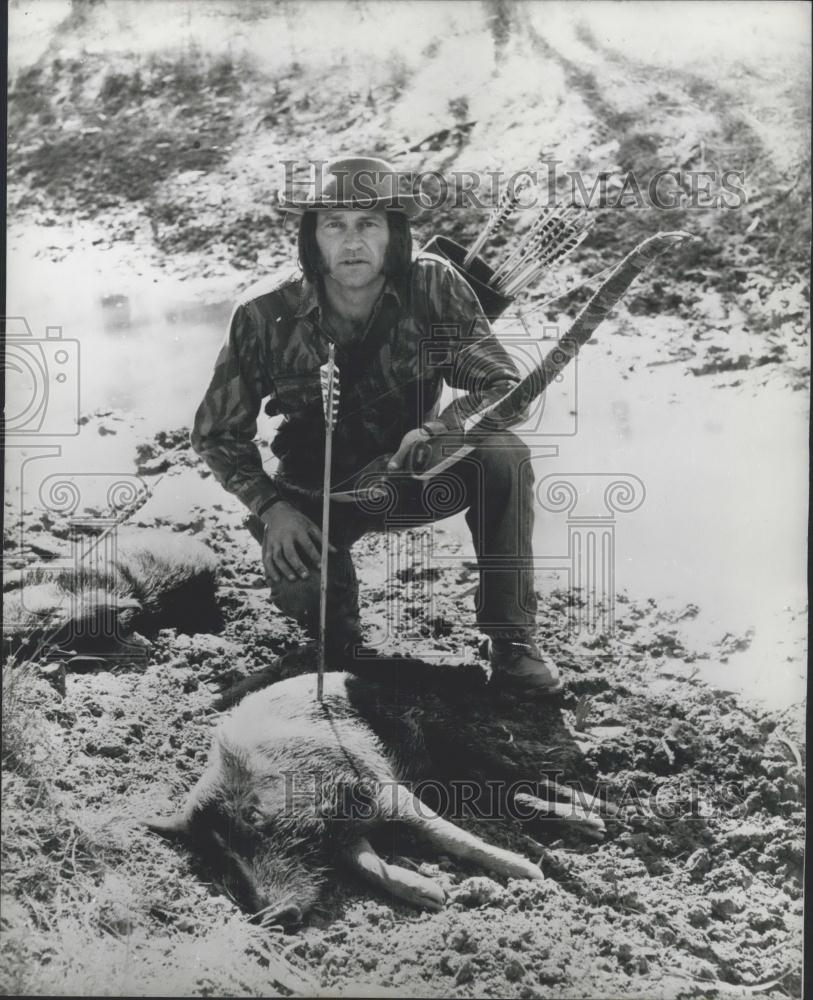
(353, 244)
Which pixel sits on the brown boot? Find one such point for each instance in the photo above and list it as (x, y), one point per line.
(522, 666)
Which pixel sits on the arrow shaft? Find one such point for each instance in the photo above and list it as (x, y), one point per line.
(323, 566)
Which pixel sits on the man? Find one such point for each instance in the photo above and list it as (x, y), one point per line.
(400, 328)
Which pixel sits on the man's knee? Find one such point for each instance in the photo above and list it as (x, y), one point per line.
(299, 599)
(504, 453)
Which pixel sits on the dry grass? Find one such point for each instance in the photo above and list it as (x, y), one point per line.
(80, 906)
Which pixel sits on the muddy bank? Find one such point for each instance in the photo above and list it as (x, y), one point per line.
(177, 153)
(696, 890)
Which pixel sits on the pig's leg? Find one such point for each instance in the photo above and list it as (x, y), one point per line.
(450, 838)
(590, 826)
(590, 803)
(407, 885)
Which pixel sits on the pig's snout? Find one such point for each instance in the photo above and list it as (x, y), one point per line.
(287, 915)
(287, 886)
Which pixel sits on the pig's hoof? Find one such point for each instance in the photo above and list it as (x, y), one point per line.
(523, 868)
(534, 872)
(418, 890)
(434, 897)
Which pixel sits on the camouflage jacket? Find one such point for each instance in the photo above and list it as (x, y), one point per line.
(424, 329)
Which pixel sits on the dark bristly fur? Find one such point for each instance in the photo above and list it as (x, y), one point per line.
(152, 578)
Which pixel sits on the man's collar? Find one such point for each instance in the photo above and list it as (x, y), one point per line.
(309, 297)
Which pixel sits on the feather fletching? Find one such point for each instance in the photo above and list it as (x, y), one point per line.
(329, 380)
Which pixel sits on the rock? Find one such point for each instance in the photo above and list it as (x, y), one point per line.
(770, 794)
(448, 963)
(334, 957)
(478, 891)
(459, 939)
(514, 970)
(704, 970)
(465, 973)
(154, 466)
(54, 673)
(698, 863)
(775, 769)
(113, 752)
(723, 907)
(318, 949)
(762, 922)
(787, 792)
(747, 835)
(698, 916)
(547, 973)
(46, 550)
(792, 889)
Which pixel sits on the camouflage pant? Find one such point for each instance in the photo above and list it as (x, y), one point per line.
(494, 485)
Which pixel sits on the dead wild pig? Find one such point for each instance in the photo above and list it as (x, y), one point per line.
(135, 579)
(293, 787)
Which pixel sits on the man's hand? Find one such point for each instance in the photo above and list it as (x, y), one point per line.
(408, 442)
(291, 542)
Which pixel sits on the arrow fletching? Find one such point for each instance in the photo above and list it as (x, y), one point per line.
(555, 234)
(501, 211)
(329, 380)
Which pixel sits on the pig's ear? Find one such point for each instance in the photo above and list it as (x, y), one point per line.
(175, 827)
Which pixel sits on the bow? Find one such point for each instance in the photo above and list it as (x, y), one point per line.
(432, 456)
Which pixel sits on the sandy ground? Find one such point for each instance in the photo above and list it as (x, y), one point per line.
(133, 166)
